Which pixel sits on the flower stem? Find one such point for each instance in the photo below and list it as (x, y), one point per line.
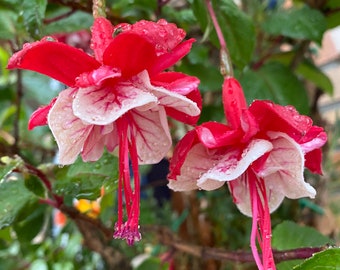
(98, 8)
(226, 67)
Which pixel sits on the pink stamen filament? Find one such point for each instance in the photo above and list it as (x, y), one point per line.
(254, 230)
(136, 202)
(124, 171)
(124, 175)
(121, 177)
(265, 227)
(261, 226)
(127, 144)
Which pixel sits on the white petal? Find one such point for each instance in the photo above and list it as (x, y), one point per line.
(231, 166)
(241, 196)
(197, 162)
(165, 97)
(103, 105)
(283, 170)
(99, 137)
(68, 130)
(151, 132)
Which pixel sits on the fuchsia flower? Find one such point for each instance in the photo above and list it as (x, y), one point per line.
(119, 98)
(260, 154)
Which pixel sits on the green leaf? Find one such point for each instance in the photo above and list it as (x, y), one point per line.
(213, 112)
(6, 113)
(307, 70)
(197, 64)
(14, 198)
(39, 264)
(83, 180)
(312, 73)
(28, 228)
(7, 24)
(328, 259)
(153, 263)
(4, 72)
(210, 78)
(237, 28)
(33, 14)
(289, 235)
(34, 184)
(77, 21)
(275, 82)
(10, 164)
(333, 20)
(5, 238)
(297, 23)
(35, 82)
(333, 4)
(332, 13)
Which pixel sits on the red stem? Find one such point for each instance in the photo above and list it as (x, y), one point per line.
(225, 65)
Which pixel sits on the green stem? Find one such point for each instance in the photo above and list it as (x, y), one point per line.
(98, 8)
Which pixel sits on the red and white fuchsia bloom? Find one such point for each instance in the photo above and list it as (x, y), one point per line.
(119, 98)
(260, 154)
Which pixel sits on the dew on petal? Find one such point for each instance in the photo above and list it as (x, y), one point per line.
(49, 38)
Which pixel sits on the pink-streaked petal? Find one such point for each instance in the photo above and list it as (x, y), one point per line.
(234, 102)
(167, 60)
(184, 85)
(93, 146)
(99, 137)
(68, 130)
(167, 98)
(315, 138)
(214, 134)
(233, 163)
(279, 118)
(54, 59)
(102, 35)
(130, 53)
(151, 132)
(283, 170)
(103, 105)
(194, 96)
(112, 138)
(97, 76)
(176, 82)
(39, 116)
(198, 161)
(241, 196)
(180, 153)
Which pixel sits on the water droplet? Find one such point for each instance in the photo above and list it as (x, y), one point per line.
(49, 38)
(162, 33)
(67, 125)
(162, 22)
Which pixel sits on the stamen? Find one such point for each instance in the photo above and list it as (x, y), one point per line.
(261, 226)
(254, 229)
(127, 144)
